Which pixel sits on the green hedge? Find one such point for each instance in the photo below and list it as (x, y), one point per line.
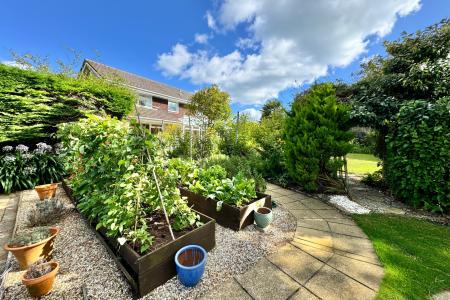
(418, 155)
(32, 104)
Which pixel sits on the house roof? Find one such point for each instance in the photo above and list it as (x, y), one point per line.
(138, 82)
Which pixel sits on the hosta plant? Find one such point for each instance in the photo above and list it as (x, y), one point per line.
(111, 163)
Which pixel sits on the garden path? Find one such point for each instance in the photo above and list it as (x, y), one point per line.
(329, 258)
(8, 211)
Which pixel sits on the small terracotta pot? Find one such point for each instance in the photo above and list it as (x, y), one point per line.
(40, 286)
(27, 255)
(46, 191)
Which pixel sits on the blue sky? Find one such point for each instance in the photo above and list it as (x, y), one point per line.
(250, 48)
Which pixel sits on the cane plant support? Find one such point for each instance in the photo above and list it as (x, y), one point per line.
(154, 176)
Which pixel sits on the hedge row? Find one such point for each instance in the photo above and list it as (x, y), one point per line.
(32, 104)
(418, 155)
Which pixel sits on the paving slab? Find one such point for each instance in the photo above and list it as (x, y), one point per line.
(229, 290)
(294, 204)
(304, 214)
(8, 212)
(366, 273)
(329, 257)
(265, 281)
(304, 294)
(314, 236)
(347, 229)
(314, 224)
(329, 214)
(297, 264)
(332, 284)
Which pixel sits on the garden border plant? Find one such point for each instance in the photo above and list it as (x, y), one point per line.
(109, 173)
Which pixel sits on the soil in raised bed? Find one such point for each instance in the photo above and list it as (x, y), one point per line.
(157, 226)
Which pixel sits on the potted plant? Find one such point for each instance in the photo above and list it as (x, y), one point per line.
(263, 217)
(30, 246)
(46, 191)
(190, 261)
(39, 277)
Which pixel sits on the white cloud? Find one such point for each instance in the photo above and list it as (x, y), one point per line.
(252, 113)
(299, 40)
(13, 63)
(210, 20)
(174, 63)
(247, 43)
(201, 38)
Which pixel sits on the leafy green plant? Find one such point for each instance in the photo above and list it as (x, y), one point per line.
(22, 169)
(316, 136)
(213, 183)
(417, 164)
(37, 234)
(375, 180)
(250, 166)
(112, 179)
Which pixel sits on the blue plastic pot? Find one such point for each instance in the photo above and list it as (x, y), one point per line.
(263, 217)
(190, 263)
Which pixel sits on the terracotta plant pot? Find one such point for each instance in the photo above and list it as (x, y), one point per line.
(46, 191)
(263, 217)
(27, 255)
(40, 286)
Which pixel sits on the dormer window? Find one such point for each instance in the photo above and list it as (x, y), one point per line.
(146, 101)
(173, 106)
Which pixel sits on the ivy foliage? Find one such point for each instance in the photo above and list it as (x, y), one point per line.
(316, 136)
(112, 179)
(32, 104)
(418, 157)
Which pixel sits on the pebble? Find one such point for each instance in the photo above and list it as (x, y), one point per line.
(85, 261)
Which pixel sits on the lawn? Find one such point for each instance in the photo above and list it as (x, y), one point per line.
(415, 255)
(361, 163)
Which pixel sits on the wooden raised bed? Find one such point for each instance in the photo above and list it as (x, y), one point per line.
(229, 216)
(146, 272)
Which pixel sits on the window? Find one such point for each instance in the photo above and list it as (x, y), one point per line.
(155, 129)
(146, 101)
(173, 106)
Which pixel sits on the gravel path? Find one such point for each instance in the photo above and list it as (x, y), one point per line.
(84, 260)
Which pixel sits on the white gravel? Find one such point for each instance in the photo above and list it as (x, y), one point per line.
(84, 260)
(348, 205)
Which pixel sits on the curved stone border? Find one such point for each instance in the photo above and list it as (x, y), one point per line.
(330, 257)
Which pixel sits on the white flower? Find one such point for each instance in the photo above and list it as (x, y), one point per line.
(29, 170)
(42, 148)
(7, 148)
(22, 148)
(9, 158)
(27, 156)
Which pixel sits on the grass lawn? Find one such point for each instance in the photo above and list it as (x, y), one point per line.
(361, 163)
(415, 255)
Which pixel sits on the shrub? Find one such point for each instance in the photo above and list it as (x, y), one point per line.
(32, 104)
(21, 169)
(113, 182)
(375, 180)
(269, 136)
(417, 165)
(316, 136)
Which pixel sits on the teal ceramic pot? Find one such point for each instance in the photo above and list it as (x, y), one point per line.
(263, 217)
